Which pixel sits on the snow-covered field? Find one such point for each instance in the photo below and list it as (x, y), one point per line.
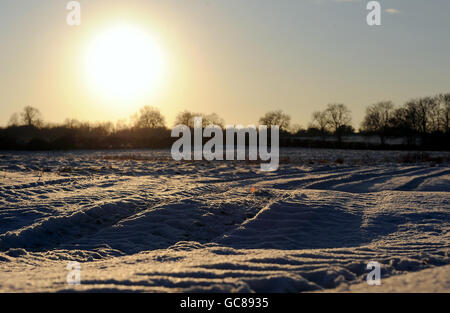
(135, 220)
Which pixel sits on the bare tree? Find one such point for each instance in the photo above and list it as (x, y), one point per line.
(434, 114)
(14, 120)
(275, 118)
(378, 118)
(420, 114)
(185, 118)
(31, 116)
(444, 102)
(213, 119)
(103, 129)
(320, 121)
(71, 123)
(149, 117)
(339, 118)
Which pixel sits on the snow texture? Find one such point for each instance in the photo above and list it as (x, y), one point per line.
(138, 221)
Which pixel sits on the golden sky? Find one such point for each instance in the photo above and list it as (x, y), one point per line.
(236, 58)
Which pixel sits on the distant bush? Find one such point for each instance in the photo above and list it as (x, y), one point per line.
(339, 161)
(420, 157)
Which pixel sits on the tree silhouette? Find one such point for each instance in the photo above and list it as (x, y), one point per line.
(339, 118)
(276, 118)
(378, 119)
(149, 117)
(320, 121)
(444, 100)
(31, 116)
(14, 120)
(187, 118)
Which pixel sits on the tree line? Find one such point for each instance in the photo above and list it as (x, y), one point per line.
(426, 119)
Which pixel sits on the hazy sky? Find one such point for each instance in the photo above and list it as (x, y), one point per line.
(238, 58)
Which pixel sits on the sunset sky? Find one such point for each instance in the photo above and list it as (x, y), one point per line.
(238, 58)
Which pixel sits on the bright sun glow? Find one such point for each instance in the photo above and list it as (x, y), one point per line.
(124, 63)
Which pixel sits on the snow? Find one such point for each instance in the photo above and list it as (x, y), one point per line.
(436, 280)
(138, 221)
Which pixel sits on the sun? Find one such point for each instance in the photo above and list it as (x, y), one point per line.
(124, 63)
